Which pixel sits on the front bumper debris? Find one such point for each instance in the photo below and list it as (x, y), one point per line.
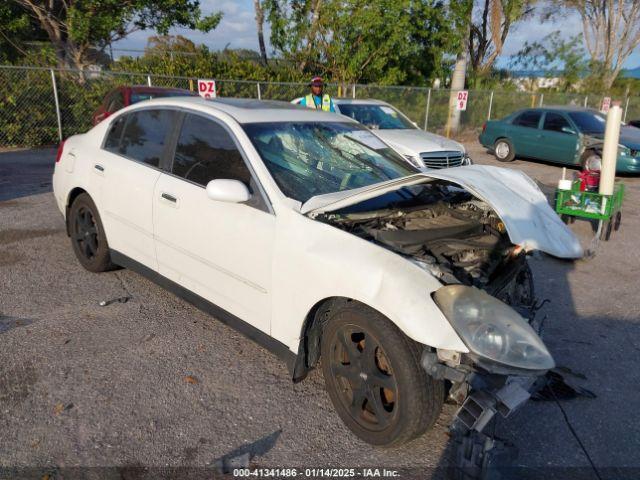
(481, 396)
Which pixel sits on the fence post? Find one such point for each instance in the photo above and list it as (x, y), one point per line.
(57, 103)
(426, 113)
(541, 99)
(586, 100)
(353, 91)
(626, 107)
(259, 93)
(490, 106)
(149, 80)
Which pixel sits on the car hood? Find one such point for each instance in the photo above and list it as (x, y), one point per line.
(629, 137)
(524, 209)
(417, 141)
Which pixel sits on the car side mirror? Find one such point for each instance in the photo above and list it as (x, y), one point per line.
(568, 130)
(226, 190)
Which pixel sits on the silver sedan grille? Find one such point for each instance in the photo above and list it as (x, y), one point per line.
(443, 159)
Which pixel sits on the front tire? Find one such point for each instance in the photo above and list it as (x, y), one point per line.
(504, 151)
(88, 239)
(374, 378)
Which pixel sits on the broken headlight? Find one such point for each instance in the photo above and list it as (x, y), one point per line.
(491, 329)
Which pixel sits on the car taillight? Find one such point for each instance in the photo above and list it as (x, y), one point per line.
(484, 127)
(60, 149)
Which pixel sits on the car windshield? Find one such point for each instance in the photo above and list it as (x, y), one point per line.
(141, 96)
(383, 117)
(589, 122)
(315, 158)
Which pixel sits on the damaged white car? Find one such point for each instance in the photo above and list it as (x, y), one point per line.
(310, 235)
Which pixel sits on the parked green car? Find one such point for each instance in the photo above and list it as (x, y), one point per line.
(564, 135)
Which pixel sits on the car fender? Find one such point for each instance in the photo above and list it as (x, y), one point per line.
(314, 261)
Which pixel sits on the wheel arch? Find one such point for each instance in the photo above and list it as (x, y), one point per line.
(73, 194)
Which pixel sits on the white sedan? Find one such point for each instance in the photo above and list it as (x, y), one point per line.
(311, 236)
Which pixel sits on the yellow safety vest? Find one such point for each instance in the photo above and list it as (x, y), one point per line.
(326, 102)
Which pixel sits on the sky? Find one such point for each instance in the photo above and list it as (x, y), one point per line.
(238, 30)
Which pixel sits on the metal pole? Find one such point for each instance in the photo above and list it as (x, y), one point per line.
(149, 80)
(541, 99)
(586, 101)
(626, 107)
(57, 102)
(426, 113)
(353, 91)
(259, 93)
(490, 106)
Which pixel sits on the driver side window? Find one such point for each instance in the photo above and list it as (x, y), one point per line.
(205, 151)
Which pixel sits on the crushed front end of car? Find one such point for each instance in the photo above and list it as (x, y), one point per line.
(487, 295)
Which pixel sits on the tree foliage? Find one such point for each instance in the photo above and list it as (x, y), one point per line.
(357, 40)
(74, 28)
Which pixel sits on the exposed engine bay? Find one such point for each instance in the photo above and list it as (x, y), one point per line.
(447, 231)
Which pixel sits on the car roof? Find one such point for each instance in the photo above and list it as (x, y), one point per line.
(358, 101)
(563, 108)
(146, 88)
(249, 110)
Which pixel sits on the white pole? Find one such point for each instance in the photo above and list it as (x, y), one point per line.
(610, 150)
(541, 99)
(353, 91)
(586, 101)
(626, 107)
(149, 80)
(490, 106)
(426, 113)
(259, 93)
(57, 103)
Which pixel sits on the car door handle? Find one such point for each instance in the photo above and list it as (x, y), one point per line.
(99, 167)
(169, 197)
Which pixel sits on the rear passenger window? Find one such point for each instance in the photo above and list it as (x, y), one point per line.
(529, 119)
(145, 135)
(114, 135)
(205, 151)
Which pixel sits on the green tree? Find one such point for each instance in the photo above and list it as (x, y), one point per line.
(349, 41)
(16, 30)
(553, 56)
(76, 27)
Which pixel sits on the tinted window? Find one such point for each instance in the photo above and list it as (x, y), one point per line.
(205, 151)
(555, 122)
(528, 119)
(145, 135)
(115, 134)
(588, 122)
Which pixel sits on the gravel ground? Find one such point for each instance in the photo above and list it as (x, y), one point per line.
(156, 383)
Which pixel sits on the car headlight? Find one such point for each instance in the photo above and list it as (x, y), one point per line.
(491, 329)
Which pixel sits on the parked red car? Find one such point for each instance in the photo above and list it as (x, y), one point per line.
(127, 95)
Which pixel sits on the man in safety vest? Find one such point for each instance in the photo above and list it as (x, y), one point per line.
(317, 99)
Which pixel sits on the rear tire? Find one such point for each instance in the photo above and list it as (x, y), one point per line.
(374, 378)
(88, 239)
(503, 150)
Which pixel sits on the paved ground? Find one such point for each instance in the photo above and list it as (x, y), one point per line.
(154, 382)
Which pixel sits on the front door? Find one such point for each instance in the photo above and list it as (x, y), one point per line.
(558, 145)
(220, 251)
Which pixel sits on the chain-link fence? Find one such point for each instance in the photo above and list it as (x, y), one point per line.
(40, 106)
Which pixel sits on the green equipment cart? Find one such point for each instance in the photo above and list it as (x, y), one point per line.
(591, 205)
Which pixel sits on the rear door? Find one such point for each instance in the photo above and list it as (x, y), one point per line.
(220, 251)
(128, 170)
(556, 144)
(525, 133)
